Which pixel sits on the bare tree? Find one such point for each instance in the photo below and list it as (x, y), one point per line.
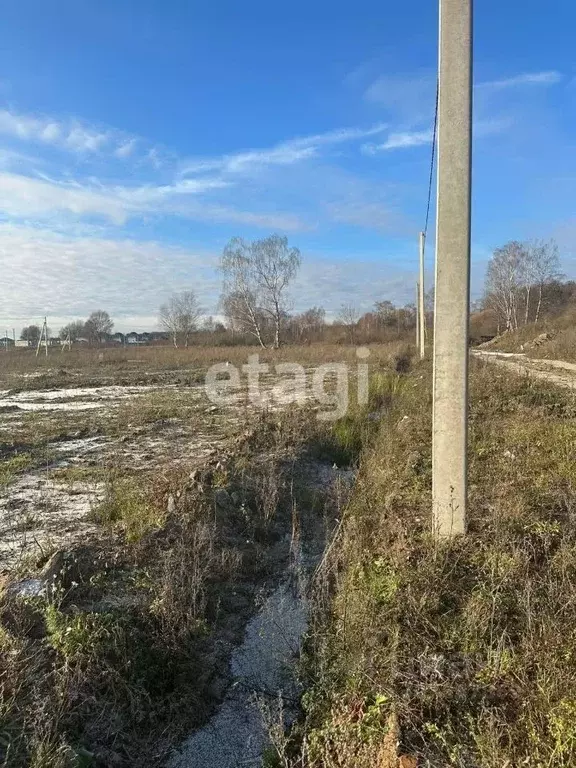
(179, 316)
(309, 323)
(386, 313)
(73, 330)
(256, 279)
(348, 316)
(505, 276)
(545, 265)
(98, 326)
(242, 313)
(513, 272)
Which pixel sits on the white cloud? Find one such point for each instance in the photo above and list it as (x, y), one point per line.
(21, 196)
(400, 141)
(126, 148)
(408, 139)
(360, 280)
(130, 278)
(69, 134)
(50, 133)
(549, 77)
(85, 140)
(286, 153)
(409, 97)
(79, 274)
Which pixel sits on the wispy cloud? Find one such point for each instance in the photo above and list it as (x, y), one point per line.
(407, 97)
(548, 77)
(76, 136)
(126, 148)
(71, 134)
(408, 139)
(400, 141)
(286, 153)
(23, 197)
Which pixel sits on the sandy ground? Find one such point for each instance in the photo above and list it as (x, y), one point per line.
(72, 399)
(41, 511)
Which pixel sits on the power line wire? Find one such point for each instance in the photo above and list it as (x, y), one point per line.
(433, 156)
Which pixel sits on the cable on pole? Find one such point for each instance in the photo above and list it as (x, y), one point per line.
(432, 159)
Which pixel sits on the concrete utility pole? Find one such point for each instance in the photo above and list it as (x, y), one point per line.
(418, 315)
(452, 290)
(421, 313)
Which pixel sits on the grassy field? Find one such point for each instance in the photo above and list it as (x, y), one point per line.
(149, 521)
(458, 653)
(22, 369)
(418, 653)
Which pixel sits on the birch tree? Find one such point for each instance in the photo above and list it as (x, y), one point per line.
(179, 316)
(504, 280)
(256, 279)
(545, 267)
(348, 316)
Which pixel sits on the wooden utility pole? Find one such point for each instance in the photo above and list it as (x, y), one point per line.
(43, 334)
(452, 290)
(421, 313)
(66, 344)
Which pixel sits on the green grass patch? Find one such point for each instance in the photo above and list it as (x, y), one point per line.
(13, 466)
(129, 506)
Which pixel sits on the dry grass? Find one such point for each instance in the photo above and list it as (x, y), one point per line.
(469, 645)
(128, 651)
(108, 365)
(561, 344)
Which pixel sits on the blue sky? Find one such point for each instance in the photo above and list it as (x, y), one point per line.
(136, 138)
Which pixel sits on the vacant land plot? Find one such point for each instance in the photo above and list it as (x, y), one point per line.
(68, 433)
(147, 532)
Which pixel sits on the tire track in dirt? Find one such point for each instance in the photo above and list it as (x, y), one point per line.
(521, 365)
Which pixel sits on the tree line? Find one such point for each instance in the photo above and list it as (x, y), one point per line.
(95, 329)
(256, 302)
(255, 305)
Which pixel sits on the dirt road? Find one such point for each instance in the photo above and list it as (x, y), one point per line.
(557, 372)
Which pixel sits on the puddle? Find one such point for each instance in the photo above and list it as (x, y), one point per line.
(263, 668)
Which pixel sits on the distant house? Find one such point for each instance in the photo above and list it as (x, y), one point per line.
(134, 338)
(6, 342)
(157, 336)
(54, 341)
(23, 343)
(118, 338)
